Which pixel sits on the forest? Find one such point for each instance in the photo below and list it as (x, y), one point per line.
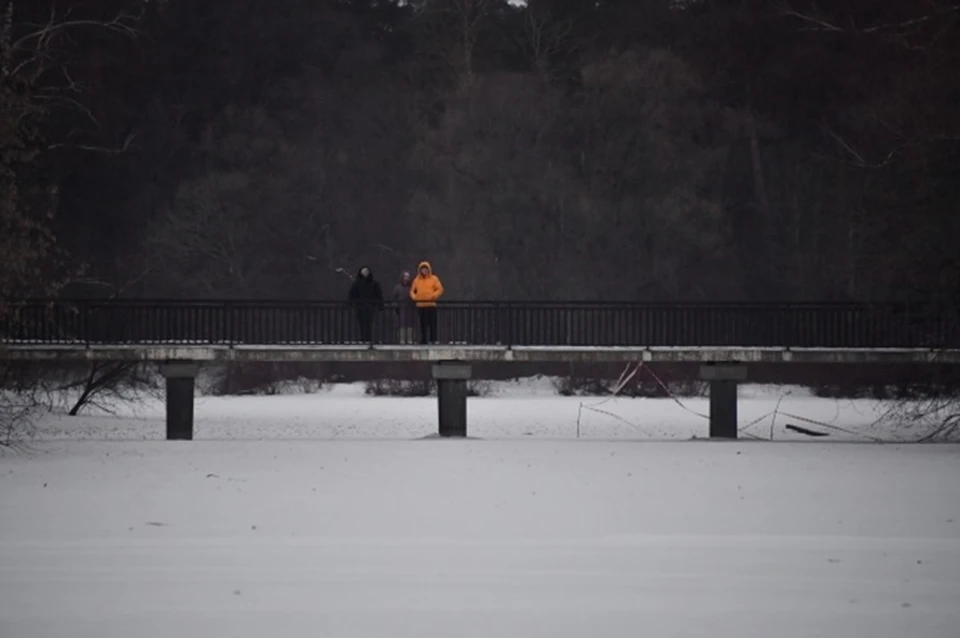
(661, 150)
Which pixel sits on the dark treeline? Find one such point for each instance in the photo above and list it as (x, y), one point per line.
(567, 149)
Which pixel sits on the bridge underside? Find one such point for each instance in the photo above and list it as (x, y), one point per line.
(519, 354)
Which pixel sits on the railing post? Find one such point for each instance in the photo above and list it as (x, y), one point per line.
(228, 335)
(84, 323)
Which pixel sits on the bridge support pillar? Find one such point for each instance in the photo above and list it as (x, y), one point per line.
(180, 378)
(452, 377)
(723, 380)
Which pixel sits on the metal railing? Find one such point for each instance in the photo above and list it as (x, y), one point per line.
(289, 323)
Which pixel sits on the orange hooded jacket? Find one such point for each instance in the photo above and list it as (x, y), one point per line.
(425, 290)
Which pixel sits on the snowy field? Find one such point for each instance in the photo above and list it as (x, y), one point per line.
(343, 522)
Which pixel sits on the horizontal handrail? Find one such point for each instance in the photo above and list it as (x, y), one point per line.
(521, 323)
(572, 303)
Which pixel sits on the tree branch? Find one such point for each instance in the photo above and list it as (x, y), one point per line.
(122, 24)
(817, 24)
(820, 24)
(123, 148)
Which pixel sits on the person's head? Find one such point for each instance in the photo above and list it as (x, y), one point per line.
(365, 272)
(424, 270)
(405, 277)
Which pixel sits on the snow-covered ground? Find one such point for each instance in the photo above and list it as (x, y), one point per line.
(348, 525)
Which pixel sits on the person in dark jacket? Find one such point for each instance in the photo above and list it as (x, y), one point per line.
(405, 308)
(366, 298)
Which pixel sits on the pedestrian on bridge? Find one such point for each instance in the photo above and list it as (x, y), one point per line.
(425, 291)
(405, 308)
(366, 298)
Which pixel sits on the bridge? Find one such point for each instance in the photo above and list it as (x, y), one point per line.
(723, 338)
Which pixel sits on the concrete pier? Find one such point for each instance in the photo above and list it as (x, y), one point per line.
(723, 379)
(181, 377)
(452, 377)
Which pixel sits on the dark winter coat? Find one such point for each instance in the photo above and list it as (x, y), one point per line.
(405, 308)
(365, 293)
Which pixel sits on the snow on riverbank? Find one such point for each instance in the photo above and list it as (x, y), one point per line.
(525, 409)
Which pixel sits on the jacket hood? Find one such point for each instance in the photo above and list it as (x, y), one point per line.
(425, 264)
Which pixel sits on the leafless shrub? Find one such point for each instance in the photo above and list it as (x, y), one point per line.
(266, 378)
(930, 406)
(105, 383)
(17, 412)
(21, 400)
(479, 388)
(420, 388)
(583, 386)
(851, 390)
(650, 388)
(935, 419)
(399, 388)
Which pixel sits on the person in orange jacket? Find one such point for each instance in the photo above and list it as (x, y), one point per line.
(425, 291)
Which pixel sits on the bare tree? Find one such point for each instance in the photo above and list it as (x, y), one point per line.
(653, 173)
(452, 30)
(545, 37)
(36, 57)
(490, 171)
(35, 81)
